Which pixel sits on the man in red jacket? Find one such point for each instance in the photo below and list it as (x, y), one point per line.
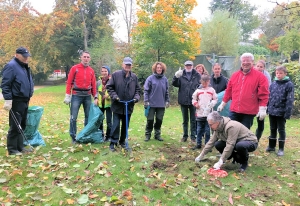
(81, 84)
(249, 91)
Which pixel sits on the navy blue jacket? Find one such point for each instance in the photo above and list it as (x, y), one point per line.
(186, 87)
(16, 81)
(281, 98)
(124, 88)
(156, 90)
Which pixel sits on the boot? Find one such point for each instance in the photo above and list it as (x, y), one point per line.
(149, 128)
(157, 135)
(281, 148)
(272, 145)
(198, 146)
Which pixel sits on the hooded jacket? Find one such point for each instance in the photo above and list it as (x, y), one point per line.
(281, 98)
(17, 81)
(247, 92)
(231, 132)
(186, 86)
(101, 86)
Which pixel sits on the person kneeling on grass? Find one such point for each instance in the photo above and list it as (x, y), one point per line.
(231, 138)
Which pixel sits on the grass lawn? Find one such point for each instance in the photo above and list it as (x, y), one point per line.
(154, 173)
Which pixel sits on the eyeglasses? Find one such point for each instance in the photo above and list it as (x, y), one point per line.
(129, 65)
(212, 124)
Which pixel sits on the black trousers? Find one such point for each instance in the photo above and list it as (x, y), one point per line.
(242, 149)
(15, 142)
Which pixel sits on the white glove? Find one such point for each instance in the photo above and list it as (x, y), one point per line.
(262, 113)
(199, 158)
(179, 73)
(221, 106)
(218, 164)
(67, 99)
(167, 104)
(7, 105)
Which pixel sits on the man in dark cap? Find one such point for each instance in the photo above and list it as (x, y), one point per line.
(17, 89)
(123, 85)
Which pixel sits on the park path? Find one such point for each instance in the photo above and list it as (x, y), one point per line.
(35, 88)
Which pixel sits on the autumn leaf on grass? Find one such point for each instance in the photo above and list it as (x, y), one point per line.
(70, 202)
(284, 203)
(230, 198)
(127, 193)
(214, 199)
(146, 198)
(92, 196)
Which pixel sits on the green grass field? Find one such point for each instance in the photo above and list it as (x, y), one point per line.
(153, 173)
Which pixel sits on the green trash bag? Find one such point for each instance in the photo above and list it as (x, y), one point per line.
(91, 132)
(32, 124)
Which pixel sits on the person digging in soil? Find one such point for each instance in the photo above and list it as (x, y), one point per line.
(231, 138)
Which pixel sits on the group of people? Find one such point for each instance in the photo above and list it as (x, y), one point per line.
(250, 89)
(109, 93)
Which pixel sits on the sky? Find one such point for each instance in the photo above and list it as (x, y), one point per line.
(200, 13)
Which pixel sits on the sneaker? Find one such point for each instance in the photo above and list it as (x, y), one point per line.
(112, 147)
(147, 139)
(280, 153)
(183, 139)
(122, 144)
(26, 150)
(16, 153)
(244, 166)
(270, 149)
(193, 140)
(159, 139)
(198, 146)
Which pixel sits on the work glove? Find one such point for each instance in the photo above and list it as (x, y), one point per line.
(221, 106)
(135, 100)
(67, 99)
(262, 113)
(199, 158)
(7, 105)
(167, 104)
(218, 164)
(179, 73)
(286, 115)
(146, 104)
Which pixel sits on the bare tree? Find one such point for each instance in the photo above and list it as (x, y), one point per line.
(127, 10)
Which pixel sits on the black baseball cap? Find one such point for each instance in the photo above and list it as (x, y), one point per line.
(23, 51)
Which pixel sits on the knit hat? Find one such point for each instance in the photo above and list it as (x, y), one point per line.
(108, 69)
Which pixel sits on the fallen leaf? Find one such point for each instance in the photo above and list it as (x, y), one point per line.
(146, 198)
(127, 193)
(92, 196)
(285, 204)
(83, 199)
(214, 199)
(230, 198)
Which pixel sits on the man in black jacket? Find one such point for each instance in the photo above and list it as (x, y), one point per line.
(187, 81)
(17, 89)
(122, 86)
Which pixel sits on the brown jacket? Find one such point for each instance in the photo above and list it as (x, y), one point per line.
(231, 132)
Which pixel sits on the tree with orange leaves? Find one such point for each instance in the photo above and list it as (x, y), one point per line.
(164, 32)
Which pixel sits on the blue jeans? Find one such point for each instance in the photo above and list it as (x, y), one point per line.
(115, 130)
(202, 128)
(245, 119)
(76, 102)
(108, 115)
(188, 114)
